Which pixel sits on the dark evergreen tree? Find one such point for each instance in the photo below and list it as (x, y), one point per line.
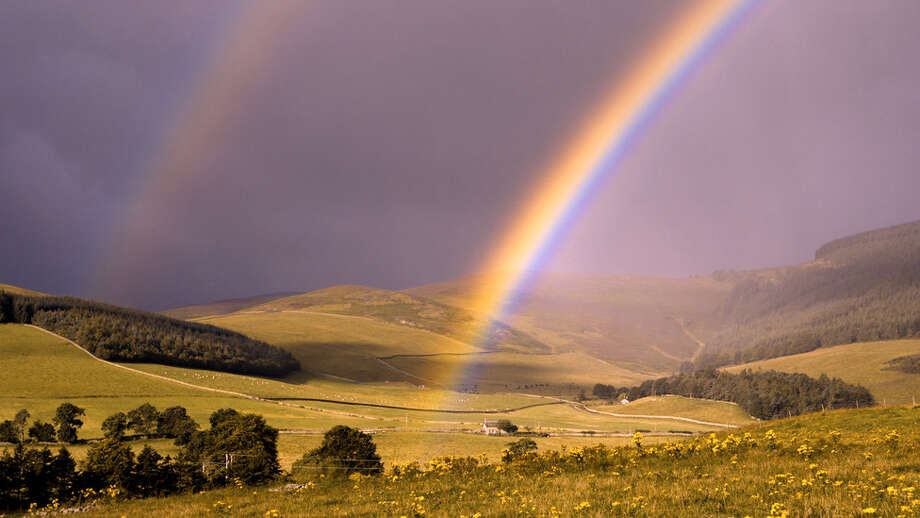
(110, 462)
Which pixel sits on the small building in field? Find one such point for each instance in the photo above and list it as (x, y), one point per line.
(491, 428)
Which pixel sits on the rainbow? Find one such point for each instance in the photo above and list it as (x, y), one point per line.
(588, 158)
(591, 156)
(202, 118)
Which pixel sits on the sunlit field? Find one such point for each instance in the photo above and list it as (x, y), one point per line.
(841, 463)
(861, 363)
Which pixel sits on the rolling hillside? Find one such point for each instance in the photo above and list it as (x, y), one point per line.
(41, 371)
(655, 322)
(860, 363)
(404, 310)
(365, 349)
(583, 329)
(861, 288)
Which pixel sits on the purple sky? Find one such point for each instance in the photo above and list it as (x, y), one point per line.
(384, 142)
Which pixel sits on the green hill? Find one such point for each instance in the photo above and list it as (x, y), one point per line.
(365, 349)
(41, 371)
(116, 333)
(404, 310)
(861, 288)
(860, 363)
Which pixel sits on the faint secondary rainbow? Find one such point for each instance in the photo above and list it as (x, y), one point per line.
(593, 154)
(195, 133)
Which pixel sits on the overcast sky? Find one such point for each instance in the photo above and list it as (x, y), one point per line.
(383, 143)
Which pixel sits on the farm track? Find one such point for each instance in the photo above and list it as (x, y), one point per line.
(583, 407)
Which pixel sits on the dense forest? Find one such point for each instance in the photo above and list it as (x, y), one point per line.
(127, 335)
(860, 288)
(764, 395)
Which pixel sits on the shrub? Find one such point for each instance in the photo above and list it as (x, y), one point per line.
(344, 451)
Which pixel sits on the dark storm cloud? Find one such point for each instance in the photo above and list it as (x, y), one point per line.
(386, 143)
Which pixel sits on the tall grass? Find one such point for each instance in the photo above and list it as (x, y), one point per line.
(846, 463)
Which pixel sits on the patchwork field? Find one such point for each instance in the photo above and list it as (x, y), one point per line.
(364, 349)
(861, 363)
(340, 345)
(44, 371)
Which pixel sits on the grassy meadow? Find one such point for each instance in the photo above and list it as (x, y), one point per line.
(679, 406)
(42, 371)
(348, 346)
(860, 363)
(849, 463)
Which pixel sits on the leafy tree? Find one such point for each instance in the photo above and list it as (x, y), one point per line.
(344, 450)
(242, 443)
(114, 426)
(41, 431)
(175, 423)
(19, 422)
(8, 432)
(506, 426)
(143, 419)
(110, 462)
(66, 417)
(222, 414)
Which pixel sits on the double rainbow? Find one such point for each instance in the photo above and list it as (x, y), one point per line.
(564, 189)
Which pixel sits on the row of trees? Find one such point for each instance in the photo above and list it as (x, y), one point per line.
(145, 420)
(764, 395)
(63, 426)
(127, 335)
(237, 447)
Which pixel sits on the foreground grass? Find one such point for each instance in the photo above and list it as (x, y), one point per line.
(844, 463)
